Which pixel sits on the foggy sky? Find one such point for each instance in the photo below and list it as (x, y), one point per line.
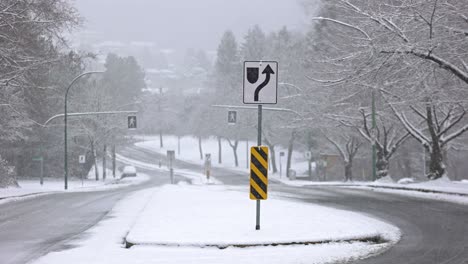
(180, 24)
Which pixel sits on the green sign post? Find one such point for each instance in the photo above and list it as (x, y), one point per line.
(40, 159)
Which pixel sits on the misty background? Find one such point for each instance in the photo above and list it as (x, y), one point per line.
(183, 24)
(172, 61)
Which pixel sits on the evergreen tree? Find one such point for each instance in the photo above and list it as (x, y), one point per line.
(255, 46)
(228, 70)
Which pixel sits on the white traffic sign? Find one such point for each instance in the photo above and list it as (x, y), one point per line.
(82, 159)
(232, 117)
(260, 82)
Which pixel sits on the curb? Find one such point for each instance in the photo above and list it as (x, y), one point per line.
(375, 240)
(422, 190)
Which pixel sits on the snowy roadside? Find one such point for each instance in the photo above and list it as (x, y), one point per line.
(189, 151)
(196, 216)
(32, 188)
(442, 189)
(192, 176)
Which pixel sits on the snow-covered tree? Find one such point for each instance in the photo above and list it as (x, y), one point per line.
(408, 52)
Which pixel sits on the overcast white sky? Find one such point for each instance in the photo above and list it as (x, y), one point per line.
(180, 24)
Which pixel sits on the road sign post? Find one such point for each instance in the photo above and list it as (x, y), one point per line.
(281, 165)
(308, 156)
(170, 157)
(82, 161)
(258, 177)
(260, 87)
(40, 159)
(207, 166)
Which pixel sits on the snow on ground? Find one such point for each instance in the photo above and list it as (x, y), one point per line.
(189, 152)
(32, 188)
(194, 177)
(441, 189)
(222, 217)
(198, 215)
(442, 185)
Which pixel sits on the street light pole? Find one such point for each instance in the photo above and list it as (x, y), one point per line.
(65, 123)
(374, 150)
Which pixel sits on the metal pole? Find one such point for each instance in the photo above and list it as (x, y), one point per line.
(65, 125)
(374, 150)
(424, 160)
(113, 161)
(259, 143)
(247, 153)
(178, 145)
(42, 170)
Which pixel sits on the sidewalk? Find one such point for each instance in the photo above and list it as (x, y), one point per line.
(32, 188)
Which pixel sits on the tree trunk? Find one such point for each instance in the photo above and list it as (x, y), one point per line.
(220, 151)
(290, 151)
(200, 149)
(93, 153)
(273, 158)
(348, 171)
(104, 160)
(436, 165)
(382, 164)
(272, 154)
(234, 150)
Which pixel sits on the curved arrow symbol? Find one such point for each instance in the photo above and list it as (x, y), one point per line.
(268, 71)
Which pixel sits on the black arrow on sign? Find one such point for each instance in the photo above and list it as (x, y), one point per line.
(268, 71)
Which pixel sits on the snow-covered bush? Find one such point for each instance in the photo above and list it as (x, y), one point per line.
(7, 177)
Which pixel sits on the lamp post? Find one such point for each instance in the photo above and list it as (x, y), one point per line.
(65, 123)
(374, 150)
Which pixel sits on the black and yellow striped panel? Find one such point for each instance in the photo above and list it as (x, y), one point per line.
(258, 173)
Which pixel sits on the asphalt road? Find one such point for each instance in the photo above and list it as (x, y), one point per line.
(33, 227)
(433, 232)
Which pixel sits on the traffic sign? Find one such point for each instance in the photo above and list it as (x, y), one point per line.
(260, 82)
(82, 159)
(232, 117)
(171, 154)
(259, 173)
(132, 122)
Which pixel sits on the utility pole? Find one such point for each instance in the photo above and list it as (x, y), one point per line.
(374, 135)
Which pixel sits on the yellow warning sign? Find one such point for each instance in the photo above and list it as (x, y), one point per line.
(258, 173)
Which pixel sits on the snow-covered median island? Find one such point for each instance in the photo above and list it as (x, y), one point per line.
(194, 224)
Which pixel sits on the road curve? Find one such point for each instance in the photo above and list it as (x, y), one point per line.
(32, 227)
(433, 232)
